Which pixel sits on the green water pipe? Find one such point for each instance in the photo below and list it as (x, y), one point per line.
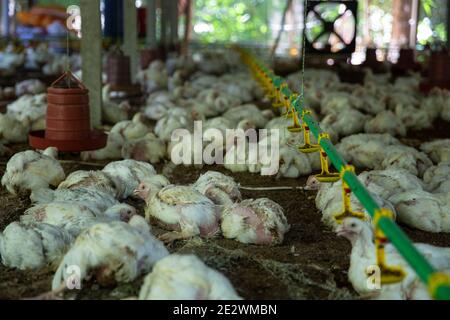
(397, 237)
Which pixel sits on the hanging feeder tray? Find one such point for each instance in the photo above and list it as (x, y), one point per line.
(68, 119)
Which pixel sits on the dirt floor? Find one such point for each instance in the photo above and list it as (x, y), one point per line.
(312, 262)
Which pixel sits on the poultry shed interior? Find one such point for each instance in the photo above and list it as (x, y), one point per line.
(224, 149)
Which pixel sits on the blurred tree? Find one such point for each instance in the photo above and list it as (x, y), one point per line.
(233, 20)
(432, 27)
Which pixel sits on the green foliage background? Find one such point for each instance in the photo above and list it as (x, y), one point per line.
(247, 20)
(235, 20)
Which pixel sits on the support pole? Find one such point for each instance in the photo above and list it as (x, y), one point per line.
(4, 25)
(151, 24)
(414, 23)
(91, 54)
(130, 39)
(173, 22)
(448, 26)
(164, 23)
(187, 26)
(401, 28)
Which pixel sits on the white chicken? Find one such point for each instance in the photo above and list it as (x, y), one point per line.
(388, 182)
(369, 99)
(90, 179)
(128, 173)
(437, 178)
(176, 118)
(149, 148)
(422, 210)
(365, 150)
(404, 157)
(330, 202)
(256, 221)
(385, 122)
(211, 102)
(74, 217)
(346, 123)
(154, 77)
(9, 61)
(363, 256)
(114, 252)
(12, 130)
(185, 277)
(131, 129)
(337, 102)
(157, 110)
(413, 118)
(33, 246)
(112, 150)
(30, 86)
(113, 112)
(30, 110)
(434, 102)
(249, 111)
(96, 200)
(30, 170)
(221, 189)
(438, 150)
(180, 209)
(293, 164)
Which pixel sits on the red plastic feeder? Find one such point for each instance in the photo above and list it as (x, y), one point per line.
(438, 72)
(68, 119)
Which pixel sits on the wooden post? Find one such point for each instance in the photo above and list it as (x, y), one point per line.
(130, 36)
(151, 24)
(91, 54)
(401, 28)
(187, 26)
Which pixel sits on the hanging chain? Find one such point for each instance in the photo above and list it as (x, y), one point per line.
(67, 56)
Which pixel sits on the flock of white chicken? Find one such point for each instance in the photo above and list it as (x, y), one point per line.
(414, 184)
(36, 58)
(79, 220)
(83, 224)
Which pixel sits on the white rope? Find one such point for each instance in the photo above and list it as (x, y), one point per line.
(270, 188)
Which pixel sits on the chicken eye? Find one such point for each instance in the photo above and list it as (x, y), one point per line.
(353, 225)
(129, 211)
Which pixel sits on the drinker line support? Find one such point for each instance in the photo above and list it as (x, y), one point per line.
(438, 283)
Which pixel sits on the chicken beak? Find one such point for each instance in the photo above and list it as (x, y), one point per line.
(341, 231)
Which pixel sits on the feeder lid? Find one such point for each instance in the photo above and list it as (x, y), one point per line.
(67, 83)
(96, 140)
